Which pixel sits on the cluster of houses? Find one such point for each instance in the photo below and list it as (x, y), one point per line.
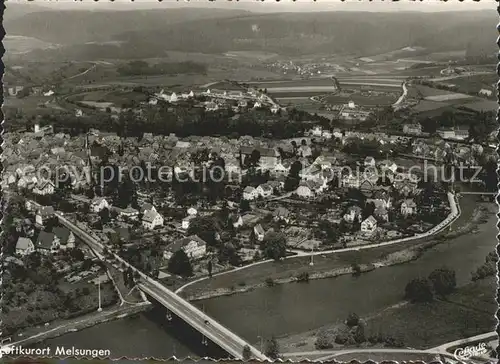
(46, 243)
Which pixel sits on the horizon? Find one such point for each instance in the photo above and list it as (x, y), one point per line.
(282, 6)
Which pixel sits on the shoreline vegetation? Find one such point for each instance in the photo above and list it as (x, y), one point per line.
(391, 255)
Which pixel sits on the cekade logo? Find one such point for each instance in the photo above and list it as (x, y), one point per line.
(468, 352)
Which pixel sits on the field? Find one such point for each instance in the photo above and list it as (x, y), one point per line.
(474, 83)
(468, 312)
(359, 99)
(448, 97)
(484, 105)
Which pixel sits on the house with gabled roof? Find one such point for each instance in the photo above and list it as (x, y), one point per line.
(281, 214)
(98, 204)
(408, 207)
(250, 193)
(151, 219)
(43, 214)
(24, 246)
(259, 232)
(264, 190)
(369, 225)
(352, 214)
(47, 243)
(65, 236)
(44, 187)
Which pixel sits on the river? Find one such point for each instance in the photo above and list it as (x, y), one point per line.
(289, 308)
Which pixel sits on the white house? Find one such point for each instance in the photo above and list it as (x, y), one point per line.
(415, 129)
(193, 246)
(308, 189)
(369, 161)
(151, 219)
(192, 211)
(237, 221)
(275, 108)
(98, 204)
(250, 193)
(24, 246)
(259, 232)
(369, 225)
(43, 214)
(147, 207)
(353, 213)
(282, 214)
(187, 221)
(408, 207)
(485, 92)
(44, 187)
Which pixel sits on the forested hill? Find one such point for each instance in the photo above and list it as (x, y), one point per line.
(220, 30)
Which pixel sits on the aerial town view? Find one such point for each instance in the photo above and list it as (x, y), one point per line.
(237, 182)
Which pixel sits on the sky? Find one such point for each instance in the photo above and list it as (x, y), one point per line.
(273, 5)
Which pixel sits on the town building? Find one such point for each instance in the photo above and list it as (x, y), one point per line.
(98, 204)
(151, 219)
(259, 232)
(47, 243)
(408, 207)
(186, 222)
(369, 225)
(413, 129)
(65, 236)
(250, 193)
(44, 187)
(43, 214)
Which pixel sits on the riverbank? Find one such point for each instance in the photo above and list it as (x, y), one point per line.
(325, 266)
(464, 313)
(80, 323)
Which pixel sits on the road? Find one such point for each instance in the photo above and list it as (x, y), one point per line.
(444, 350)
(220, 335)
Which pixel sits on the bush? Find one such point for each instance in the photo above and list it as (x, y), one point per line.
(352, 320)
(303, 277)
(241, 284)
(270, 282)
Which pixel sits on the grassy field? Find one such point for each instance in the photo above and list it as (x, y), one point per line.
(386, 99)
(467, 312)
(474, 83)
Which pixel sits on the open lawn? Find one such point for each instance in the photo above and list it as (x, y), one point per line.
(481, 105)
(448, 97)
(467, 312)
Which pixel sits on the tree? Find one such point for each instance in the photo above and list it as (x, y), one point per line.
(209, 268)
(244, 205)
(272, 349)
(247, 353)
(443, 280)
(352, 320)
(274, 245)
(207, 228)
(419, 290)
(180, 264)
